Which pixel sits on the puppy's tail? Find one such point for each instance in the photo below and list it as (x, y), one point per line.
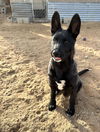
(83, 71)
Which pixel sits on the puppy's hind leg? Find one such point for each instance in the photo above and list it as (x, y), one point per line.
(79, 86)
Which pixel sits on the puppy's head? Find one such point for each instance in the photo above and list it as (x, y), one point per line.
(63, 40)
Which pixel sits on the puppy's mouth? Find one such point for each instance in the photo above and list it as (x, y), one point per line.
(57, 59)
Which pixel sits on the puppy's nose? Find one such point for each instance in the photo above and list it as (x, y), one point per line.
(55, 53)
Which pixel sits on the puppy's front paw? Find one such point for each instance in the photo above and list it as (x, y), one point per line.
(70, 112)
(52, 106)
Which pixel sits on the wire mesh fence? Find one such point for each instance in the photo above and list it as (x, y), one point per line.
(29, 10)
(40, 9)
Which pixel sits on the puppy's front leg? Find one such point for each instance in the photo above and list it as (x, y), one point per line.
(53, 86)
(72, 100)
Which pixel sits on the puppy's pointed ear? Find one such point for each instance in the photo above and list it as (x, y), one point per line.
(75, 25)
(55, 22)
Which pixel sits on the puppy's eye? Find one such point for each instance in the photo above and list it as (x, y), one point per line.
(55, 38)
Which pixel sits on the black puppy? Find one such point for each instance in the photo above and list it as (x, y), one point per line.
(62, 65)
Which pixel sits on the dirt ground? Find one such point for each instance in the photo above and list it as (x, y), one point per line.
(24, 90)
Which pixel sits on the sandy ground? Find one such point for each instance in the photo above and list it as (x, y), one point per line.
(24, 90)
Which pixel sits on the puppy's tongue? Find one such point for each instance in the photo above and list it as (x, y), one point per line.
(57, 59)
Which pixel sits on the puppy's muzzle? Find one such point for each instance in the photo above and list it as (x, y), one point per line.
(56, 56)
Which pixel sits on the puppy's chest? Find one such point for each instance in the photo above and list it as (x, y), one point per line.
(61, 84)
(62, 80)
(60, 74)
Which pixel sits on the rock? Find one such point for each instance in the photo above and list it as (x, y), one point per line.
(84, 39)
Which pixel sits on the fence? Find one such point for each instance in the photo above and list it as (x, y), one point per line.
(29, 11)
(87, 11)
(42, 10)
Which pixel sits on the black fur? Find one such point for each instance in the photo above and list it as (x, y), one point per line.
(62, 47)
